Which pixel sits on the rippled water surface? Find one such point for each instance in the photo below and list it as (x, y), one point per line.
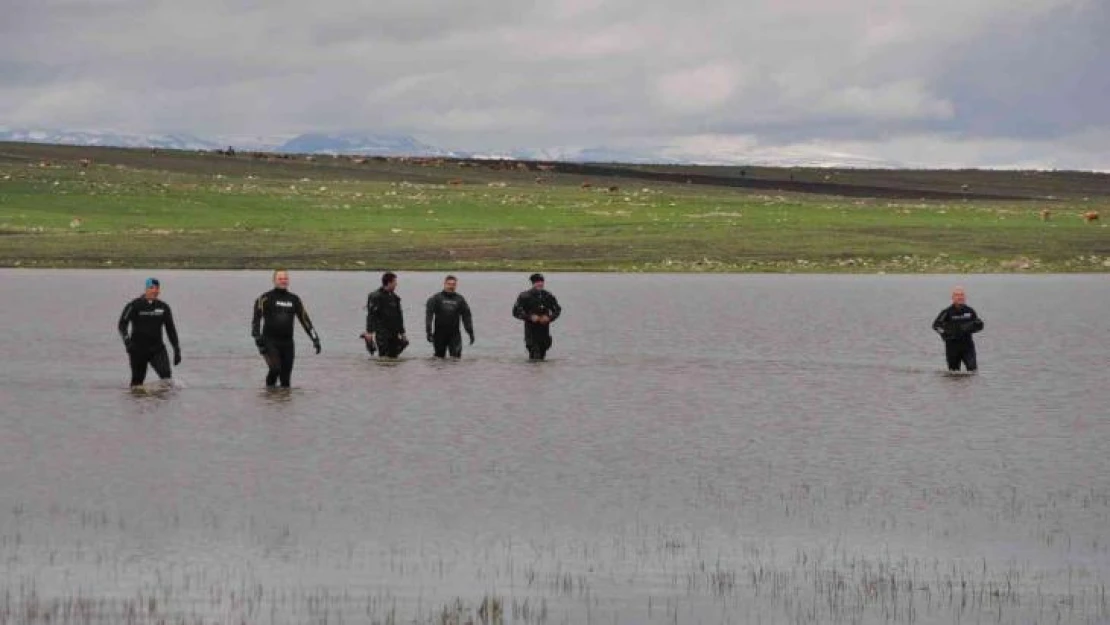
(698, 449)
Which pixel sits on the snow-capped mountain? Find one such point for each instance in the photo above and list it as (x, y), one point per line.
(106, 138)
(365, 144)
(375, 144)
(595, 155)
(668, 155)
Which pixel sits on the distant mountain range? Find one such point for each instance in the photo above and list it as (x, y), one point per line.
(374, 144)
(107, 139)
(360, 143)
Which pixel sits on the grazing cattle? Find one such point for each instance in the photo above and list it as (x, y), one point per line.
(614, 189)
(85, 163)
(587, 185)
(1090, 216)
(310, 159)
(541, 180)
(76, 223)
(1046, 215)
(454, 182)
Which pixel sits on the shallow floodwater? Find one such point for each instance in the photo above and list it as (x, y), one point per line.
(698, 449)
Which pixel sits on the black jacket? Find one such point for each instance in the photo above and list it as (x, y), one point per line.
(276, 311)
(383, 312)
(446, 310)
(536, 302)
(957, 323)
(147, 318)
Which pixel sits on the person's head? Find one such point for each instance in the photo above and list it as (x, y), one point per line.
(389, 281)
(450, 283)
(281, 279)
(959, 298)
(153, 288)
(537, 280)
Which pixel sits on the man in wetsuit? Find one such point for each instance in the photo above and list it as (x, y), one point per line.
(146, 316)
(385, 321)
(955, 325)
(445, 309)
(538, 308)
(275, 313)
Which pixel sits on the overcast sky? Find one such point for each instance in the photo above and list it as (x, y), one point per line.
(936, 83)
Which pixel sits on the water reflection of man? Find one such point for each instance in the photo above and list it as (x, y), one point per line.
(538, 308)
(955, 325)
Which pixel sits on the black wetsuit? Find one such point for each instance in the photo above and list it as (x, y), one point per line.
(444, 311)
(955, 325)
(275, 315)
(386, 320)
(537, 336)
(144, 344)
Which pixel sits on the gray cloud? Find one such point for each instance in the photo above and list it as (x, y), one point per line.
(873, 76)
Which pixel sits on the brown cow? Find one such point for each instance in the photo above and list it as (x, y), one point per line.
(1046, 215)
(1090, 216)
(614, 189)
(454, 182)
(85, 163)
(587, 185)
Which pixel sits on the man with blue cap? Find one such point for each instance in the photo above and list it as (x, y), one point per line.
(140, 327)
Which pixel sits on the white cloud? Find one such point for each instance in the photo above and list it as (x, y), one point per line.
(492, 74)
(698, 89)
(903, 100)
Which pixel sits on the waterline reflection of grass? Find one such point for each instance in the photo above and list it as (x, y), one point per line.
(96, 565)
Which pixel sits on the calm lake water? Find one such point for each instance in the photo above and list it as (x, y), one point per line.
(698, 449)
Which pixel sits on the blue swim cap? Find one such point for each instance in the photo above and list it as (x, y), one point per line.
(152, 282)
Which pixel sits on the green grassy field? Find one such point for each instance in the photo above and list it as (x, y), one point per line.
(130, 208)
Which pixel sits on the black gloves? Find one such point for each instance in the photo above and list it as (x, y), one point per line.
(127, 343)
(316, 345)
(261, 344)
(431, 338)
(176, 356)
(471, 338)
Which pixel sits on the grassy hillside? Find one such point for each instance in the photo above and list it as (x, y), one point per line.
(185, 209)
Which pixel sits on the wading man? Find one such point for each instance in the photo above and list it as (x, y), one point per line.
(385, 321)
(275, 315)
(537, 308)
(955, 325)
(146, 316)
(441, 320)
